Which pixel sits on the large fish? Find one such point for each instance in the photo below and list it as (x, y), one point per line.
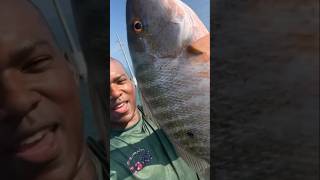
(170, 50)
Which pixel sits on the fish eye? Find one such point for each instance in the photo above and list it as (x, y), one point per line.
(137, 26)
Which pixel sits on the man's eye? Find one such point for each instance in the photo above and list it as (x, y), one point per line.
(121, 81)
(37, 65)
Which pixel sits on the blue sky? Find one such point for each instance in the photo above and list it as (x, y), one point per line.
(118, 24)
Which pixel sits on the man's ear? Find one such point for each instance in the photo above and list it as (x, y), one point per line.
(65, 55)
(72, 67)
(132, 81)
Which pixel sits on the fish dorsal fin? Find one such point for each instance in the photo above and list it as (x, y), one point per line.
(200, 46)
(200, 50)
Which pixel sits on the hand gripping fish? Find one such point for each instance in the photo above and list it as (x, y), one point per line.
(170, 50)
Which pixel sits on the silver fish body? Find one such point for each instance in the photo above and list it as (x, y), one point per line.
(174, 82)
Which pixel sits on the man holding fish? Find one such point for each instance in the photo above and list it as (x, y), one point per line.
(170, 50)
(139, 149)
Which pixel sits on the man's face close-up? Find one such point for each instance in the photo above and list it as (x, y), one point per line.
(40, 115)
(122, 96)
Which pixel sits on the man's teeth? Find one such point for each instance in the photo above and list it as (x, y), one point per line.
(120, 105)
(34, 138)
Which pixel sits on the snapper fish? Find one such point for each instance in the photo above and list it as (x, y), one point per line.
(170, 51)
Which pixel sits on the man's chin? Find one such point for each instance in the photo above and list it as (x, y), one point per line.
(28, 171)
(120, 121)
(63, 162)
(46, 149)
(120, 117)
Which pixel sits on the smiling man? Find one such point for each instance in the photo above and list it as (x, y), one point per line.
(41, 135)
(124, 112)
(139, 149)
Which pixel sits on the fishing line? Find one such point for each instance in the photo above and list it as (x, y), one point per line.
(127, 62)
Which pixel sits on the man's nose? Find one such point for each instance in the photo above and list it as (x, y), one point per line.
(16, 98)
(115, 92)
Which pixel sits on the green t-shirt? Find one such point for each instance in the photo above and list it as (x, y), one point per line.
(143, 151)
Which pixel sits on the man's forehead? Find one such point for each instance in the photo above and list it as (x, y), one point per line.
(116, 66)
(117, 69)
(18, 7)
(15, 14)
(20, 22)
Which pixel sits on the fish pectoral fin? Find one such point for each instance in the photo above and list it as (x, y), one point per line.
(200, 46)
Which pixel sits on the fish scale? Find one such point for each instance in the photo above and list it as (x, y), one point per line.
(173, 95)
